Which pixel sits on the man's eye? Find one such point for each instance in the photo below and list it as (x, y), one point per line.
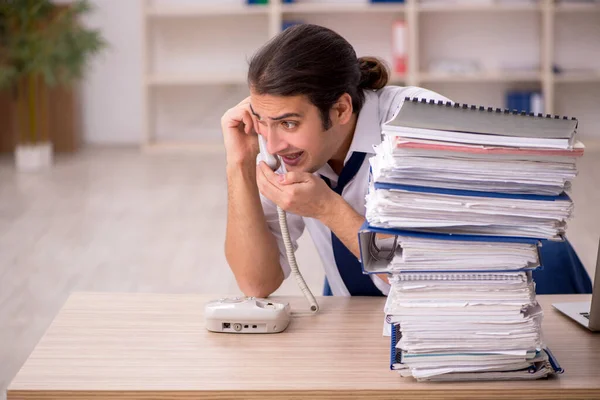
(289, 124)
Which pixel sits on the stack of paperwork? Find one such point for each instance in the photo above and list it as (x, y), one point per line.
(461, 198)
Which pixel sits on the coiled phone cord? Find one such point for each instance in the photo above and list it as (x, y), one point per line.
(289, 251)
(274, 163)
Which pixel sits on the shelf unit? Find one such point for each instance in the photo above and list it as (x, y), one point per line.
(490, 76)
(190, 79)
(174, 10)
(371, 8)
(577, 7)
(348, 17)
(461, 8)
(583, 77)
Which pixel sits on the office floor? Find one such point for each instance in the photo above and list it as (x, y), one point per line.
(122, 221)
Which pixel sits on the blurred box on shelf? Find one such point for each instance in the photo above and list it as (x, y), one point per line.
(326, 1)
(289, 23)
(399, 47)
(525, 100)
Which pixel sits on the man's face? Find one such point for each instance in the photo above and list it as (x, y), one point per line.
(294, 131)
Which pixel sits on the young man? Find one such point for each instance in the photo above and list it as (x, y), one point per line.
(320, 108)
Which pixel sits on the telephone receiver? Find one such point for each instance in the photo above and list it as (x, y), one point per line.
(272, 161)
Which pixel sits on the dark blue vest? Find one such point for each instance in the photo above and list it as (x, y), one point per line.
(563, 272)
(357, 283)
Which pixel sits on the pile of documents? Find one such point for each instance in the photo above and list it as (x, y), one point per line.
(390, 206)
(452, 326)
(480, 172)
(421, 254)
(461, 199)
(475, 167)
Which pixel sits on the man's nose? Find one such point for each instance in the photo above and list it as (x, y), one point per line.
(274, 142)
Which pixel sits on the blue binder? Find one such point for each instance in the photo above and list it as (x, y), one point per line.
(394, 354)
(371, 266)
(454, 192)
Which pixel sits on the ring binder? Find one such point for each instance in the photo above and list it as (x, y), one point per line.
(483, 108)
(375, 251)
(456, 276)
(458, 192)
(372, 262)
(478, 124)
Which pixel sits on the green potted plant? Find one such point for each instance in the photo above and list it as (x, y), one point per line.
(42, 44)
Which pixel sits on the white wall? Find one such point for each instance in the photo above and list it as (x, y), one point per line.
(111, 92)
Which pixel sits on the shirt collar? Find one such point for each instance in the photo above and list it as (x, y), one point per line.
(368, 129)
(366, 134)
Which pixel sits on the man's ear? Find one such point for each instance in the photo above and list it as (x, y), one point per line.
(342, 109)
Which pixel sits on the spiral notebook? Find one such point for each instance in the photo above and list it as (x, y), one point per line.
(470, 124)
(432, 304)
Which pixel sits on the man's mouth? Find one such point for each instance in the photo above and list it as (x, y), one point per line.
(292, 158)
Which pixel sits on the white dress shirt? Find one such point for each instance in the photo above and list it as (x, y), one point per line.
(379, 107)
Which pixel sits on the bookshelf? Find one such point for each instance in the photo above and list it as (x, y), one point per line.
(482, 7)
(577, 7)
(578, 77)
(196, 51)
(190, 10)
(488, 76)
(190, 79)
(332, 8)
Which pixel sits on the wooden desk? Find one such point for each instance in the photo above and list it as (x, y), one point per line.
(147, 346)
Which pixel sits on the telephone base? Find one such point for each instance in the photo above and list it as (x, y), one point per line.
(246, 315)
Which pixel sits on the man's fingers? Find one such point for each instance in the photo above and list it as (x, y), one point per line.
(236, 116)
(269, 173)
(247, 119)
(294, 177)
(267, 181)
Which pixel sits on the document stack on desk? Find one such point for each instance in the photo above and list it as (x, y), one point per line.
(479, 172)
(466, 326)
(460, 200)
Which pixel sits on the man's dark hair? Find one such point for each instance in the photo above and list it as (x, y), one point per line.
(316, 62)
